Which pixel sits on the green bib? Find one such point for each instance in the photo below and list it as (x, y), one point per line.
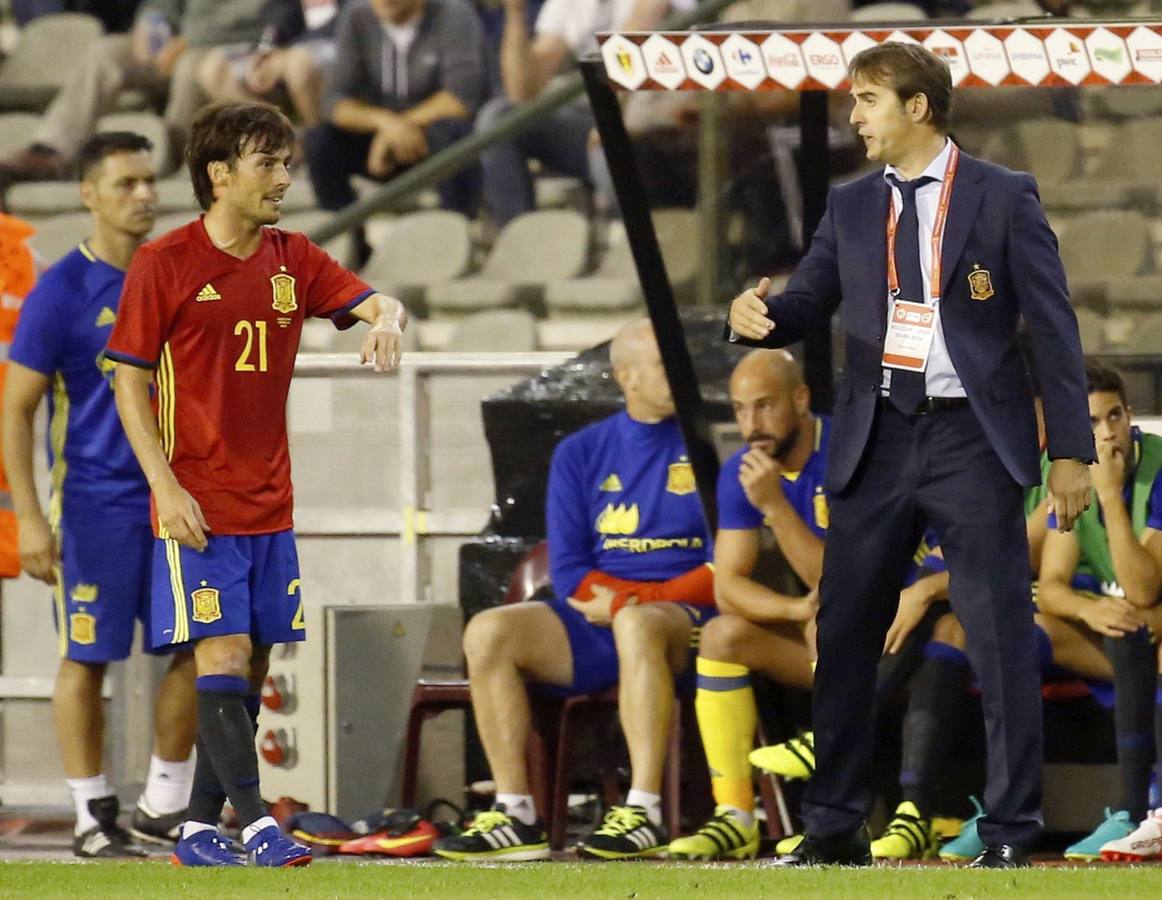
(1091, 533)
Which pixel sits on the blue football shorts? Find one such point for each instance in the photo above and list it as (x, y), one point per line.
(240, 584)
(102, 589)
(595, 666)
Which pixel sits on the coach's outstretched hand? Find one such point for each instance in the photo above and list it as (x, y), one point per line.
(179, 514)
(748, 312)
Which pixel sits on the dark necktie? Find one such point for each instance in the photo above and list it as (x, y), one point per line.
(908, 388)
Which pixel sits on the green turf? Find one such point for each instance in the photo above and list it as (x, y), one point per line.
(632, 881)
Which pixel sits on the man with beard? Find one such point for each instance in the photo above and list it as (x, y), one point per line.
(776, 480)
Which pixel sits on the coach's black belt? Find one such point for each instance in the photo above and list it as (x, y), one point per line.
(932, 404)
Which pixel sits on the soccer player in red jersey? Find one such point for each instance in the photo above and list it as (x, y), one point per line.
(213, 312)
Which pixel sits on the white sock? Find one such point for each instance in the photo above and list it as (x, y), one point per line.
(519, 806)
(167, 787)
(745, 817)
(256, 826)
(191, 828)
(84, 790)
(651, 803)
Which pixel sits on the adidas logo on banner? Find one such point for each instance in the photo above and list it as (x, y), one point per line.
(208, 293)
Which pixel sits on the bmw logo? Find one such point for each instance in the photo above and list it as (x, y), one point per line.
(703, 61)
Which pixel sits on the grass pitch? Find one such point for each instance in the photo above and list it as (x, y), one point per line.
(632, 881)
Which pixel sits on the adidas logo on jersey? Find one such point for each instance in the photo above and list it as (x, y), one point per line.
(208, 293)
(105, 317)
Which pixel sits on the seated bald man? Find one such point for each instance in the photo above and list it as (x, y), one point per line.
(630, 557)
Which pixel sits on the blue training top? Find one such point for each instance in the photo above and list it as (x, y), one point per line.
(622, 499)
(62, 331)
(804, 491)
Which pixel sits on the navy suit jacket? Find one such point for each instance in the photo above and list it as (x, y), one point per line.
(994, 221)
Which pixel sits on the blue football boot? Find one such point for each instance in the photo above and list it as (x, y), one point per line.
(967, 845)
(273, 849)
(204, 848)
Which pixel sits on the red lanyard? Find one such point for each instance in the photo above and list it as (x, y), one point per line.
(937, 228)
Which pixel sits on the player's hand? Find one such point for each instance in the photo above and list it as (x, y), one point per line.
(181, 516)
(599, 609)
(38, 548)
(748, 312)
(383, 345)
(759, 474)
(914, 602)
(1111, 616)
(804, 609)
(1069, 491)
(1109, 475)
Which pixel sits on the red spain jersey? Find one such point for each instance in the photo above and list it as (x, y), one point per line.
(221, 334)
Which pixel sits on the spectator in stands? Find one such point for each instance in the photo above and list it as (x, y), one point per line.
(169, 40)
(408, 78)
(629, 555)
(776, 481)
(1100, 584)
(565, 141)
(296, 47)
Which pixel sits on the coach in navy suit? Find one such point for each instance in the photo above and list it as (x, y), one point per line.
(935, 259)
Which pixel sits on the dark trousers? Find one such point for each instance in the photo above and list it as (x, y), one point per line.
(560, 142)
(939, 469)
(334, 155)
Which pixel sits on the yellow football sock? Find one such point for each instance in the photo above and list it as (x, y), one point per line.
(727, 718)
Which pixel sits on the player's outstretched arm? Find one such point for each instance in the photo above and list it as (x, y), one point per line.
(177, 512)
(383, 345)
(23, 390)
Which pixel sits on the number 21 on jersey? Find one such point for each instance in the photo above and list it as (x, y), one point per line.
(253, 355)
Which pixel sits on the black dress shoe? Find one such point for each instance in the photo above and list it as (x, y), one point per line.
(838, 850)
(1000, 856)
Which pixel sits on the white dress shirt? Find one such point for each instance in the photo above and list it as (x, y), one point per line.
(940, 375)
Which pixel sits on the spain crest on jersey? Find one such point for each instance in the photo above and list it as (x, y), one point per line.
(82, 628)
(680, 479)
(207, 605)
(283, 286)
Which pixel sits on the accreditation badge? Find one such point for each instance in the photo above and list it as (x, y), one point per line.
(909, 338)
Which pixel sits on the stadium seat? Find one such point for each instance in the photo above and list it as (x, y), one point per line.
(1126, 175)
(1092, 328)
(559, 192)
(39, 63)
(495, 331)
(38, 199)
(1050, 149)
(532, 250)
(888, 12)
(418, 250)
(176, 194)
(148, 125)
(14, 130)
(1097, 247)
(57, 235)
(614, 288)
